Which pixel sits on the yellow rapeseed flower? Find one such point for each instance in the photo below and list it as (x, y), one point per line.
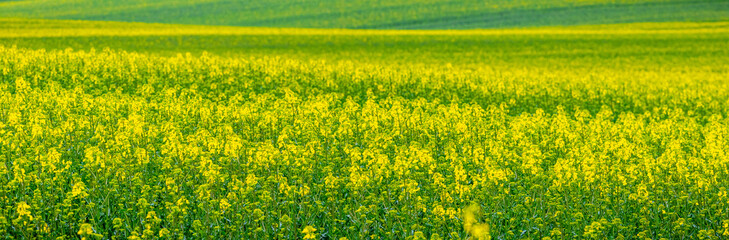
(309, 232)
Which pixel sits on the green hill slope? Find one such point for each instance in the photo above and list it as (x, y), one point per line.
(388, 14)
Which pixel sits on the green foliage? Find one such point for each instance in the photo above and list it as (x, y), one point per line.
(395, 14)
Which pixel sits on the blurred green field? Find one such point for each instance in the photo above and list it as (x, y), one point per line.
(380, 14)
(637, 45)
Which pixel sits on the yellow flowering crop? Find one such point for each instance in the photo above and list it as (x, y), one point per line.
(583, 133)
(309, 232)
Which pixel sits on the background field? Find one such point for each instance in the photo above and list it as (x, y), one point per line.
(388, 14)
(619, 46)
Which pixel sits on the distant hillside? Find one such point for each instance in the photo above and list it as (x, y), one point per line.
(378, 14)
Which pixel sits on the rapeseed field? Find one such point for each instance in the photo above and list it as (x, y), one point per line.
(590, 132)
